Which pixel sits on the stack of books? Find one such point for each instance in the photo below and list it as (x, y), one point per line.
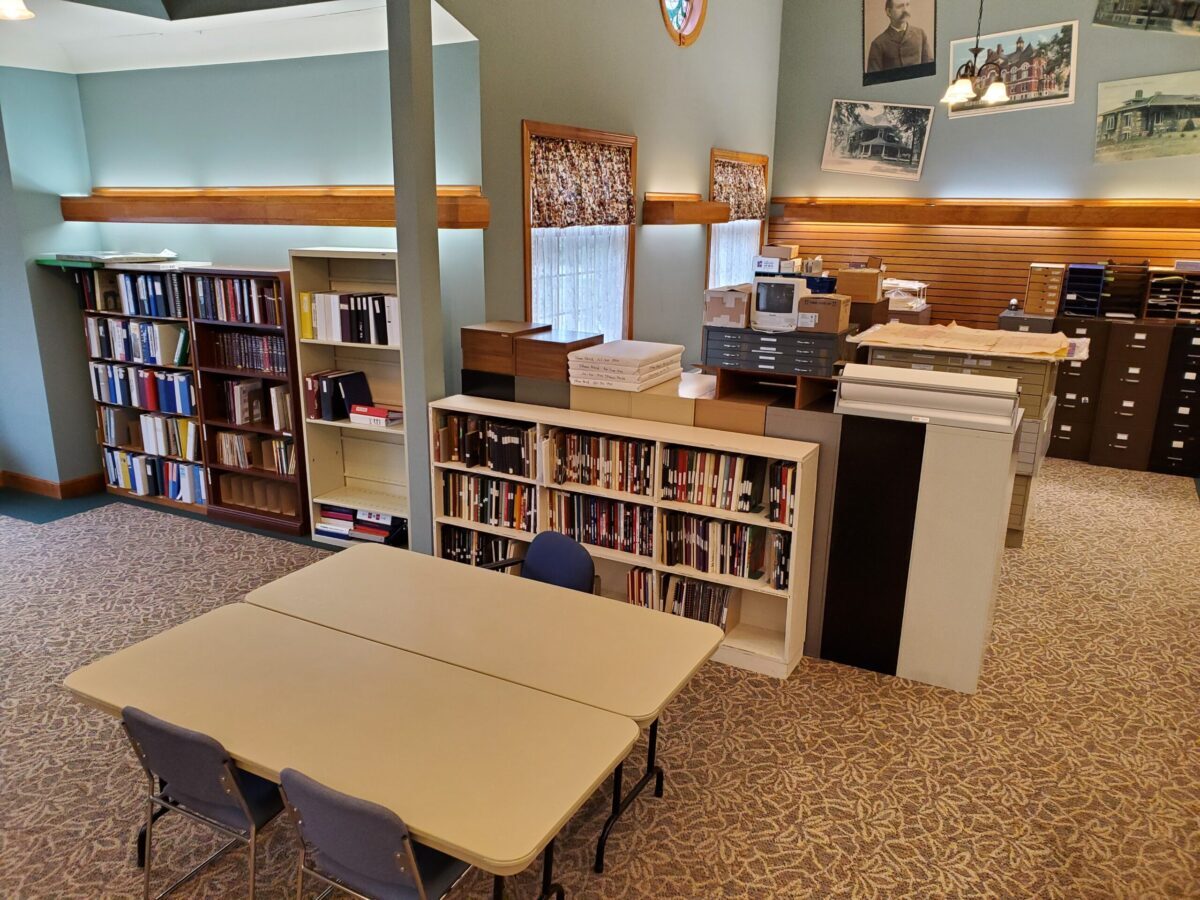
(639, 587)
(330, 393)
(698, 600)
(152, 343)
(613, 463)
(781, 488)
(350, 318)
(261, 352)
(145, 295)
(281, 407)
(237, 299)
(151, 476)
(778, 564)
(489, 501)
(706, 478)
(612, 524)
(168, 392)
(625, 365)
(164, 436)
(350, 524)
(380, 414)
(496, 444)
(244, 401)
(713, 545)
(476, 548)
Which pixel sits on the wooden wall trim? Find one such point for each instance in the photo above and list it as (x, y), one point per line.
(370, 206)
(997, 213)
(57, 490)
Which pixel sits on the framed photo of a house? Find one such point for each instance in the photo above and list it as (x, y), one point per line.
(1037, 65)
(1148, 118)
(1175, 16)
(899, 40)
(885, 140)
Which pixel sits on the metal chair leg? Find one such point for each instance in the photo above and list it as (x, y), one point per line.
(253, 847)
(149, 839)
(300, 879)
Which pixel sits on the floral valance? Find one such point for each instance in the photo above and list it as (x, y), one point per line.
(743, 186)
(579, 183)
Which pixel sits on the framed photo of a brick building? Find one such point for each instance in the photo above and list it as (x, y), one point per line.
(1037, 65)
(1154, 117)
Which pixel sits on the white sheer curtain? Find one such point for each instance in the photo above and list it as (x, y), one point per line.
(732, 249)
(579, 278)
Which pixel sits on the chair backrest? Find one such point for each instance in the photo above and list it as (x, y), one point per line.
(349, 837)
(556, 559)
(190, 763)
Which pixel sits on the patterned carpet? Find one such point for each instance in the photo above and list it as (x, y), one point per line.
(1075, 772)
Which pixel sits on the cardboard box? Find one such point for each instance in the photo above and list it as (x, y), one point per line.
(864, 315)
(605, 401)
(728, 307)
(921, 316)
(824, 313)
(862, 285)
(745, 413)
(674, 401)
(781, 251)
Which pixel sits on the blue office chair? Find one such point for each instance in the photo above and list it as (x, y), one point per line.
(198, 779)
(362, 848)
(556, 559)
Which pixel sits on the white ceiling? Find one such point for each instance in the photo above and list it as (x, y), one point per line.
(70, 37)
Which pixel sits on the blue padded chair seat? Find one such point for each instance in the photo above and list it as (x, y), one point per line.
(438, 873)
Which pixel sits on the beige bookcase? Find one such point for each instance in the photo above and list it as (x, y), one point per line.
(765, 625)
(359, 466)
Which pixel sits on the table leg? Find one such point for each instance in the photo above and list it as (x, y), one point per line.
(621, 803)
(498, 887)
(549, 888)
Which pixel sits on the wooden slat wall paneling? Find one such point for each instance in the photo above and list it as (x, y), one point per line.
(974, 271)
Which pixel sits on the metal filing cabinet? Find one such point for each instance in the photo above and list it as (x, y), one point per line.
(1078, 389)
(783, 353)
(1127, 410)
(1176, 448)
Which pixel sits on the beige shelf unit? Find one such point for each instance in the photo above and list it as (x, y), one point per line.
(360, 466)
(765, 626)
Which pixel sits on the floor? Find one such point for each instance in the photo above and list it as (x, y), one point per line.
(1074, 772)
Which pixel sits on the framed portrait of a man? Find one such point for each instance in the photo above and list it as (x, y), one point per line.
(899, 37)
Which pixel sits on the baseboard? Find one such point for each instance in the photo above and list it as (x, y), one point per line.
(57, 490)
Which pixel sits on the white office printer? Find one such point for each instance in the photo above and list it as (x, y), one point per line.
(925, 471)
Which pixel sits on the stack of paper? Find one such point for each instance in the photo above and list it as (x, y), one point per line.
(625, 365)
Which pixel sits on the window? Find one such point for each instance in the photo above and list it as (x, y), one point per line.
(579, 213)
(683, 19)
(739, 179)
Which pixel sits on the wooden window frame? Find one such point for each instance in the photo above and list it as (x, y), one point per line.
(692, 26)
(753, 159)
(530, 129)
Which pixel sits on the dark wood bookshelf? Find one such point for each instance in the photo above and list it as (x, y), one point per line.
(256, 427)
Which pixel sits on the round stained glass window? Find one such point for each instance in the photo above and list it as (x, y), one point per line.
(684, 19)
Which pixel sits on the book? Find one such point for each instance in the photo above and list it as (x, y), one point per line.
(382, 416)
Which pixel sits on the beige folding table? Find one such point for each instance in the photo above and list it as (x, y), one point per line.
(593, 650)
(478, 767)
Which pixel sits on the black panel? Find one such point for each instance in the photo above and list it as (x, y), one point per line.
(875, 507)
(489, 385)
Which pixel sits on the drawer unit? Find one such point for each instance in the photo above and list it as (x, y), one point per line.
(1012, 320)
(488, 346)
(1173, 295)
(1043, 291)
(1125, 296)
(1074, 406)
(1033, 441)
(1022, 501)
(790, 353)
(1070, 440)
(1140, 341)
(543, 354)
(1118, 445)
(1176, 455)
(1083, 290)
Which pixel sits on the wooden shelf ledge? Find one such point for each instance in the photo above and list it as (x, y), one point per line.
(682, 209)
(991, 213)
(368, 206)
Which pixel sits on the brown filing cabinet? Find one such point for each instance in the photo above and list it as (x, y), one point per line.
(1078, 388)
(1127, 409)
(1176, 449)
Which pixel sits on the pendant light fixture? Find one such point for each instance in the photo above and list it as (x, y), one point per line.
(14, 10)
(962, 88)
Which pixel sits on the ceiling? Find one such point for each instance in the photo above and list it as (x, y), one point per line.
(77, 38)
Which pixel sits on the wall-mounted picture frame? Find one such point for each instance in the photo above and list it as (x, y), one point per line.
(1173, 16)
(1154, 117)
(899, 40)
(1037, 64)
(883, 140)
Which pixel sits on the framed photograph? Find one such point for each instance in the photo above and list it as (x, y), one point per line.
(886, 140)
(1148, 118)
(899, 40)
(1037, 65)
(1175, 16)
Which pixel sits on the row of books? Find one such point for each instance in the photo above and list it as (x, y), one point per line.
(261, 352)
(489, 501)
(496, 444)
(778, 561)
(244, 403)
(170, 392)
(359, 318)
(697, 600)
(234, 298)
(612, 524)
(475, 548)
(160, 435)
(781, 489)
(258, 493)
(142, 294)
(727, 481)
(616, 464)
(152, 476)
(252, 451)
(153, 343)
(329, 393)
(713, 545)
(350, 524)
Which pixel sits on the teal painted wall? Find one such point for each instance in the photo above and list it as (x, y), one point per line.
(1038, 153)
(47, 420)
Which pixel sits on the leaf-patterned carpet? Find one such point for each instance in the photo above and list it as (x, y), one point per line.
(1074, 772)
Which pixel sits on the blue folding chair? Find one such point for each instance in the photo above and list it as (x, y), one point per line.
(556, 559)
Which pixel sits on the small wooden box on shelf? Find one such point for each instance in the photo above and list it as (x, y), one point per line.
(356, 470)
(632, 522)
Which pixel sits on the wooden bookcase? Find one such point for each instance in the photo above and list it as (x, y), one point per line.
(285, 509)
(351, 465)
(765, 625)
